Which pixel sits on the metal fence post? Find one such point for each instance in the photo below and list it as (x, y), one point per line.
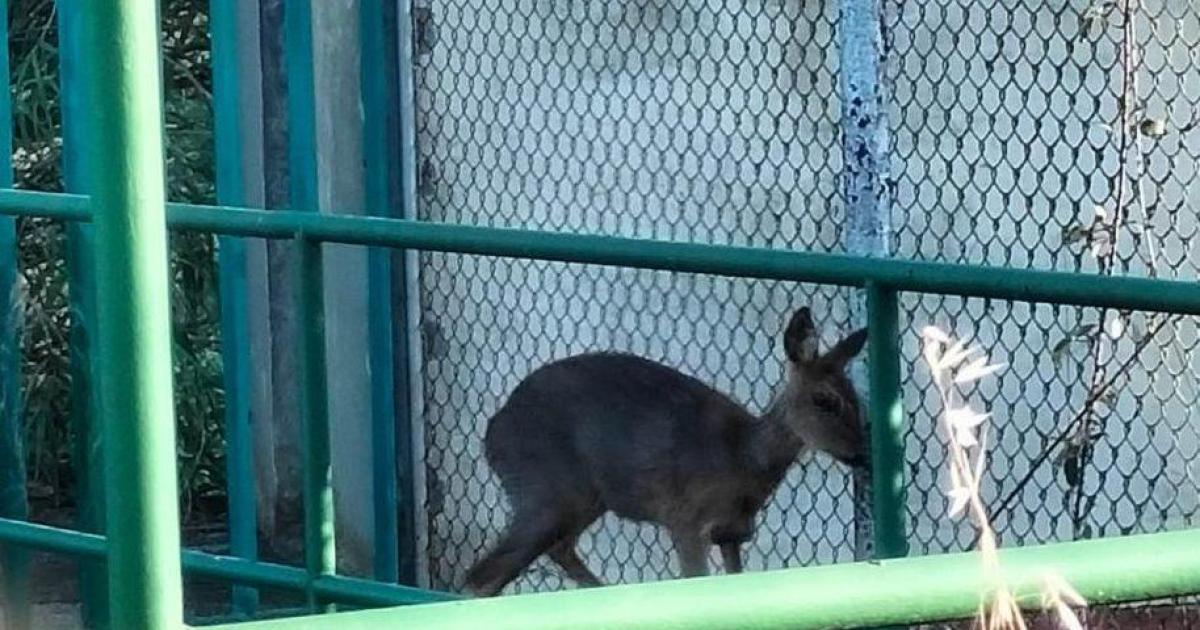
(235, 333)
(319, 517)
(865, 189)
(887, 423)
(407, 316)
(14, 591)
(302, 137)
(133, 318)
(87, 455)
(377, 35)
(319, 525)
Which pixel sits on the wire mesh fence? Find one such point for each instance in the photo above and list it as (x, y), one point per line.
(1055, 135)
(629, 120)
(1052, 134)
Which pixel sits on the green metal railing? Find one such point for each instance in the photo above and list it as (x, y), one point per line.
(233, 569)
(882, 278)
(235, 324)
(132, 362)
(133, 323)
(849, 595)
(389, 404)
(73, 23)
(1025, 285)
(88, 455)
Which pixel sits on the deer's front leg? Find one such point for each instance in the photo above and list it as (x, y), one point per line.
(731, 555)
(692, 550)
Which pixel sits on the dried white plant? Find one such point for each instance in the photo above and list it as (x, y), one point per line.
(954, 364)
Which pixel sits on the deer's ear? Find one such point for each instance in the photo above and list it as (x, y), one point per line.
(847, 348)
(800, 337)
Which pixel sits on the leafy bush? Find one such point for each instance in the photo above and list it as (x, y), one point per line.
(190, 177)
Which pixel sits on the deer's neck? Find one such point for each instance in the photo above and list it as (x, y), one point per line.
(774, 445)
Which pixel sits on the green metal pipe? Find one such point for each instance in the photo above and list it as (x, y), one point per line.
(319, 526)
(133, 319)
(355, 591)
(235, 325)
(66, 207)
(865, 594)
(230, 568)
(87, 458)
(378, 52)
(56, 539)
(198, 621)
(888, 507)
(302, 115)
(14, 577)
(1024, 285)
(333, 588)
(303, 175)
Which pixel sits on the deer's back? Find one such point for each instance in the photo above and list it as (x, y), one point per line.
(631, 434)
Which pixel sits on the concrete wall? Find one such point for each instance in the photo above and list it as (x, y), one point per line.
(269, 272)
(340, 164)
(718, 121)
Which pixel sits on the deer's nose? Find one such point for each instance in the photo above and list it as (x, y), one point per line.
(856, 461)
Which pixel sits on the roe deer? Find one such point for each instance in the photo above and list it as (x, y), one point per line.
(584, 435)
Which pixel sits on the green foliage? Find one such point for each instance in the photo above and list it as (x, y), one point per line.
(190, 178)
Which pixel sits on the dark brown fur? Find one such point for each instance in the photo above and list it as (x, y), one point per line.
(605, 432)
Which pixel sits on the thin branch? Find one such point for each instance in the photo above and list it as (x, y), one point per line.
(1084, 427)
(1093, 397)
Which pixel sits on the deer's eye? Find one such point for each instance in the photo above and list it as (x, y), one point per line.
(827, 404)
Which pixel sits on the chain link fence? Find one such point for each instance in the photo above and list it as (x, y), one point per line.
(1056, 135)
(718, 121)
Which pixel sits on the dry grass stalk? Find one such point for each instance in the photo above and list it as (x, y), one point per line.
(954, 365)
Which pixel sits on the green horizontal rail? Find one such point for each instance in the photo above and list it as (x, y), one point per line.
(1026, 285)
(236, 570)
(217, 620)
(864, 594)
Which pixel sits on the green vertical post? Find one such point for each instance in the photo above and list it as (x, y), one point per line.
(378, 45)
(133, 319)
(14, 590)
(235, 325)
(302, 125)
(87, 455)
(887, 423)
(319, 549)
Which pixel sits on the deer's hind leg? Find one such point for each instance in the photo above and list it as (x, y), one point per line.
(566, 556)
(564, 552)
(528, 536)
